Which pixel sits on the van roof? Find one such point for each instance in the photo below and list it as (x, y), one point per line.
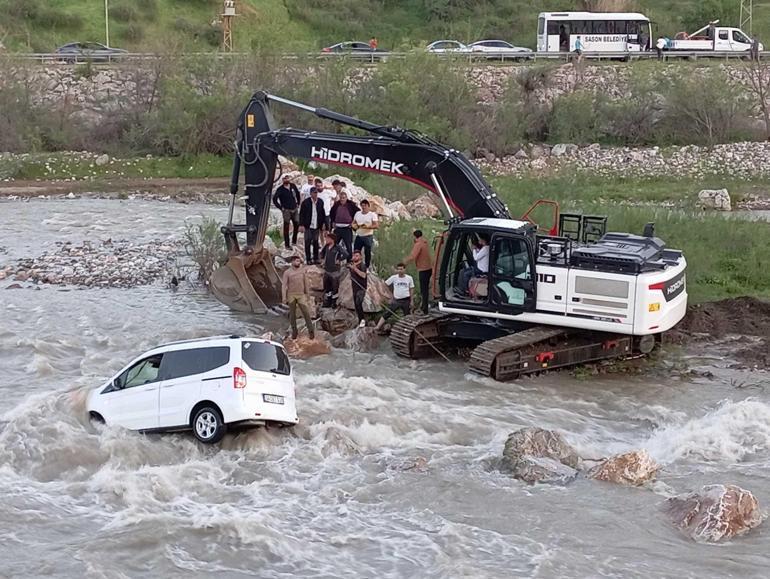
(213, 338)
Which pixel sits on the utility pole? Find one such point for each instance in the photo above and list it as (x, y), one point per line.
(747, 8)
(107, 22)
(227, 26)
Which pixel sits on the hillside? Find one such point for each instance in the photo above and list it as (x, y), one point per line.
(294, 25)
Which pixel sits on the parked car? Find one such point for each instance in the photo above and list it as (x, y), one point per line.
(206, 385)
(443, 46)
(356, 50)
(500, 49)
(91, 51)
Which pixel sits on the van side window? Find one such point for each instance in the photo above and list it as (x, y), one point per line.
(723, 35)
(181, 363)
(143, 372)
(265, 358)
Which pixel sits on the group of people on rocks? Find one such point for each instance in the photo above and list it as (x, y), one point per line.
(319, 211)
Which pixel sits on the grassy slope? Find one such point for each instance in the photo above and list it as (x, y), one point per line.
(309, 24)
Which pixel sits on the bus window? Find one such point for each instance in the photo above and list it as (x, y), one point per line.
(553, 26)
(540, 25)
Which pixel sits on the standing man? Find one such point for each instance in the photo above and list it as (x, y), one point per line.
(579, 49)
(563, 39)
(403, 286)
(328, 196)
(286, 198)
(311, 221)
(420, 255)
(373, 43)
(358, 280)
(295, 295)
(332, 255)
(365, 222)
(342, 214)
(305, 189)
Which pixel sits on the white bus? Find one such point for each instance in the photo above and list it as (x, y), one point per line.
(598, 31)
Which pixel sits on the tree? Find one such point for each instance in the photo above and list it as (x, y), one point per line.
(758, 76)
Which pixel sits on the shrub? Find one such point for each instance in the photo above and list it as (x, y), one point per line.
(205, 245)
(704, 109)
(124, 13)
(575, 118)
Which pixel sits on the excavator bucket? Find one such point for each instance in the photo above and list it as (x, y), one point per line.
(248, 282)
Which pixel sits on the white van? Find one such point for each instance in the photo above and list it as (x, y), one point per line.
(205, 385)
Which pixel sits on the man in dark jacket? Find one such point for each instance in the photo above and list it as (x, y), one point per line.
(342, 214)
(286, 198)
(311, 221)
(332, 255)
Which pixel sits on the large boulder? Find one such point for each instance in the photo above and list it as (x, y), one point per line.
(532, 469)
(538, 455)
(338, 320)
(303, 347)
(397, 211)
(378, 294)
(716, 199)
(631, 468)
(539, 442)
(315, 278)
(358, 339)
(424, 207)
(714, 513)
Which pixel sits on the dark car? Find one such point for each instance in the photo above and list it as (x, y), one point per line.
(88, 51)
(356, 50)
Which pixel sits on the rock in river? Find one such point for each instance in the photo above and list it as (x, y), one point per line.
(631, 468)
(303, 347)
(714, 513)
(538, 455)
(533, 469)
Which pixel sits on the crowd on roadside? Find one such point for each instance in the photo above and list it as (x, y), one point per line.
(339, 234)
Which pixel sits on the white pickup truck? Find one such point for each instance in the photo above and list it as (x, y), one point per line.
(713, 38)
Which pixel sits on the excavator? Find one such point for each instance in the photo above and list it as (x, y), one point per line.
(554, 295)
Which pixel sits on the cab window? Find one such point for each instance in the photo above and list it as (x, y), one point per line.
(723, 35)
(144, 371)
(739, 36)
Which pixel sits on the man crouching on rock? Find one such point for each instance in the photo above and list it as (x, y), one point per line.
(332, 255)
(295, 294)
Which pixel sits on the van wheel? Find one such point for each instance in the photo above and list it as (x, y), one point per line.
(208, 426)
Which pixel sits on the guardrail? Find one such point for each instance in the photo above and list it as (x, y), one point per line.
(376, 57)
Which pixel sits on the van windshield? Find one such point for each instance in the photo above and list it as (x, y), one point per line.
(265, 358)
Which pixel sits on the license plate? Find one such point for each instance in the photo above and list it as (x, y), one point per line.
(272, 398)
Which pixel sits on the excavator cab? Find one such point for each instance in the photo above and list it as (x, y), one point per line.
(502, 277)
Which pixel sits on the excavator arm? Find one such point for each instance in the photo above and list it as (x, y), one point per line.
(250, 282)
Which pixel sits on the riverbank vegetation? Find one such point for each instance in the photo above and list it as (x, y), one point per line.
(179, 107)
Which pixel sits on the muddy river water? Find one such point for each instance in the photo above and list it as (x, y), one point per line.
(392, 471)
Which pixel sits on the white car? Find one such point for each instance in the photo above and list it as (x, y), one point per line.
(500, 49)
(205, 385)
(447, 46)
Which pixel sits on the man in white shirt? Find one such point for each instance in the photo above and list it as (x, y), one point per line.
(480, 265)
(304, 191)
(365, 222)
(328, 196)
(403, 288)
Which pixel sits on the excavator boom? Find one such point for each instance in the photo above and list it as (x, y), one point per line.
(249, 282)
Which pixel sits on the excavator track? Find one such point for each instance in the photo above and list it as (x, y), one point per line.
(417, 336)
(544, 348)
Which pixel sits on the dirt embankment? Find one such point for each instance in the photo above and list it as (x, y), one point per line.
(744, 316)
